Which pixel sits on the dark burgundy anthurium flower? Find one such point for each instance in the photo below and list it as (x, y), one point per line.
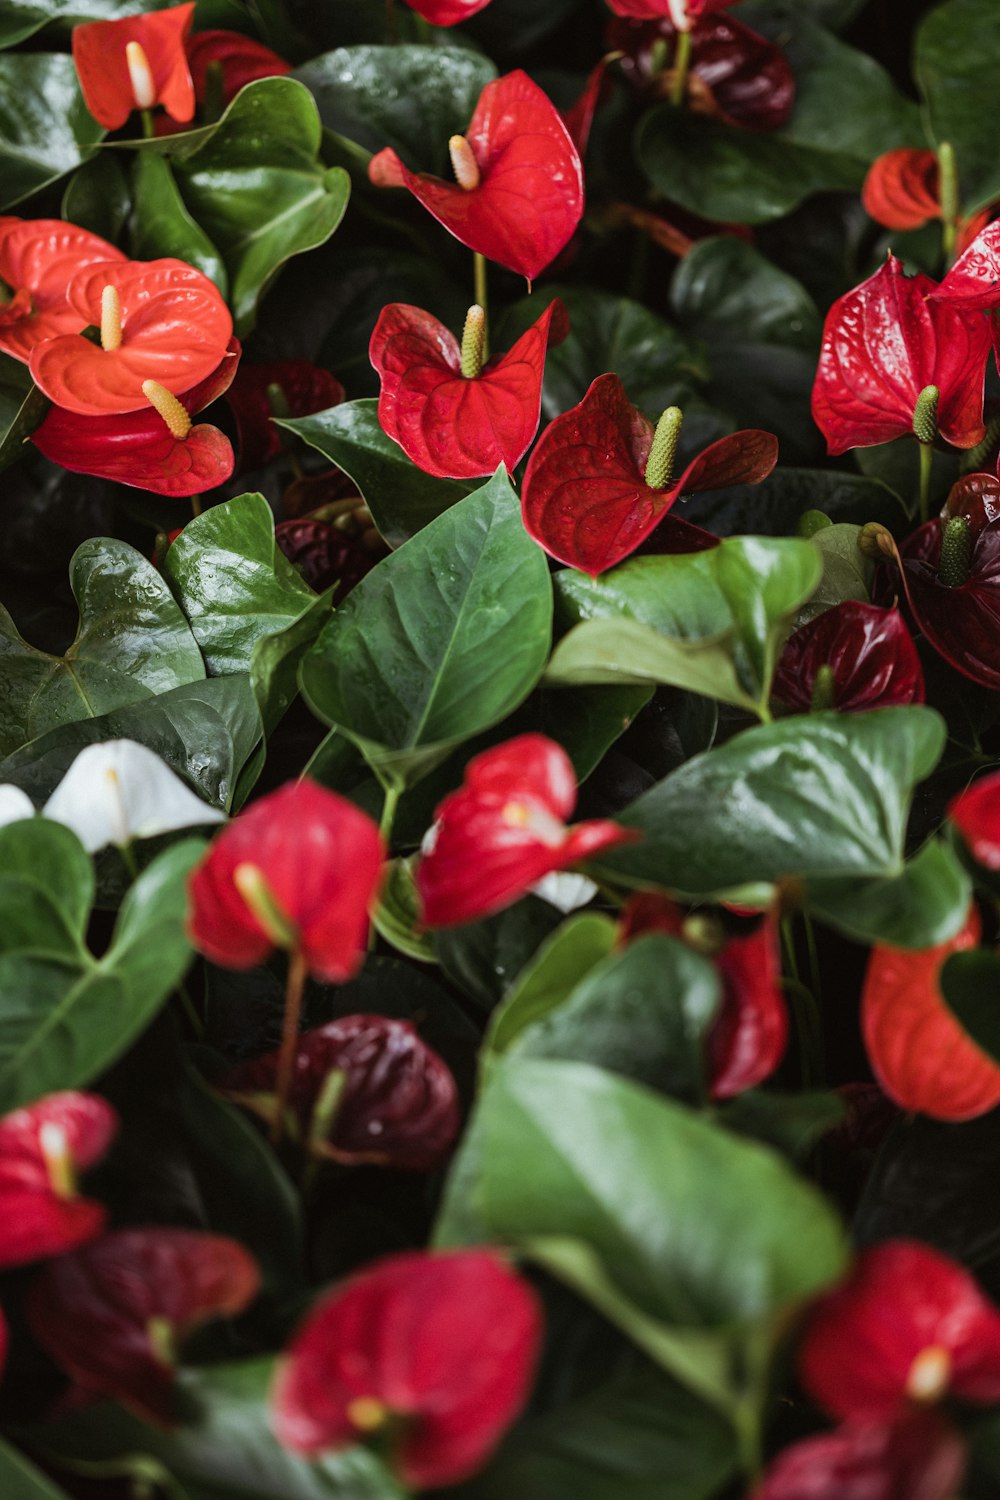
(748, 1039)
(38, 258)
(599, 480)
(504, 830)
(238, 60)
(364, 1089)
(136, 63)
(909, 1325)
(735, 74)
(324, 554)
(920, 1053)
(433, 1353)
(685, 14)
(976, 814)
(894, 359)
(453, 415)
(159, 320)
(519, 193)
(42, 1148)
(297, 870)
(283, 388)
(916, 1456)
(447, 12)
(852, 657)
(114, 1313)
(159, 450)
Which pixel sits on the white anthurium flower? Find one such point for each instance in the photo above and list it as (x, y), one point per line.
(565, 890)
(118, 791)
(15, 805)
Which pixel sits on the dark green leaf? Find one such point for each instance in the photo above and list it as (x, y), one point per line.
(22, 409)
(970, 983)
(20, 1480)
(97, 197)
(484, 958)
(443, 639)
(550, 978)
(956, 60)
(926, 903)
(20, 19)
(162, 225)
(45, 127)
(792, 1123)
(39, 859)
(774, 508)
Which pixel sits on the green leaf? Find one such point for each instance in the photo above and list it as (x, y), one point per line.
(624, 651)
(483, 959)
(97, 197)
(656, 365)
(925, 904)
(162, 225)
(54, 1011)
(401, 497)
(20, 19)
(847, 573)
(411, 98)
(956, 58)
(397, 915)
(847, 110)
(560, 964)
(45, 127)
(259, 190)
(970, 984)
(640, 1436)
(248, 608)
(132, 643)
(20, 1480)
(443, 639)
(21, 423)
(813, 797)
(761, 332)
(792, 1123)
(40, 859)
(774, 508)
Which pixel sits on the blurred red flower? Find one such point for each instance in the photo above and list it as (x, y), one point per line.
(447, 12)
(504, 830)
(136, 63)
(38, 258)
(684, 14)
(918, 1456)
(42, 1148)
(976, 814)
(437, 1351)
(284, 387)
(240, 60)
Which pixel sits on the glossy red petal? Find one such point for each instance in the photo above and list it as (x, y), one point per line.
(447, 1343)
(976, 814)
(920, 1054)
(962, 622)
(450, 426)
(321, 858)
(241, 60)
(42, 1147)
(38, 258)
(869, 650)
(447, 12)
(399, 1104)
(749, 1037)
(137, 451)
(883, 343)
(916, 1456)
(108, 1313)
(865, 1350)
(99, 54)
(305, 388)
(901, 189)
(175, 329)
(683, 13)
(739, 458)
(530, 198)
(973, 283)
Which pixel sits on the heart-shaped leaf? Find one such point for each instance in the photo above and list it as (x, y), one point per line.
(45, 127)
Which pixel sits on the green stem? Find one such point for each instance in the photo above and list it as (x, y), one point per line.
(926, 465)
(388, 814)
(294, 986)
(148, 128)
(948, 195)
(481, 296)
(128, 860)
(682, 66)
(195, 506)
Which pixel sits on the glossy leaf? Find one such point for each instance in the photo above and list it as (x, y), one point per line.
(278, 199)
(926, 902)
(956, 55)
(405, 671)
(132, 643)
(401, 497)
(97, 196)
(561, 963)
(162, 225)
(45, 128)
(970, 985)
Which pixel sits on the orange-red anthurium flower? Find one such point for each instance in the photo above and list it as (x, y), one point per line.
(38, 257)
(240, 60)
(136, 63)
(160, 320)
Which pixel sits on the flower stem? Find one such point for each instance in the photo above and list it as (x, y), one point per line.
(682, 66)
(948, 194)
(195, 505)
(148, 128)
(481, 296)
(926, 464)
(294, 985)
(388, 814)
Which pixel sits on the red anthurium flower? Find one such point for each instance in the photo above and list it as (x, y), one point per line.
(238, 59)
(976, 814)
(852, 657)
(447, 12)
(453, 415)
(113, 1314)
(38, 257)
(901, 188)
(600, 481)
(519, 194)
(908, 1325)
(136, 63)
(685, 14)
(920, 1054)
(159, 320)
(917, 1456)
(158, 451)
(741, 77)
(297, 870)
(283, 388)
(750, 1034)
(504, 830)
(364, 1089)
(42, 1147)
(885, 345)
(973, 283)
(437, 1352)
